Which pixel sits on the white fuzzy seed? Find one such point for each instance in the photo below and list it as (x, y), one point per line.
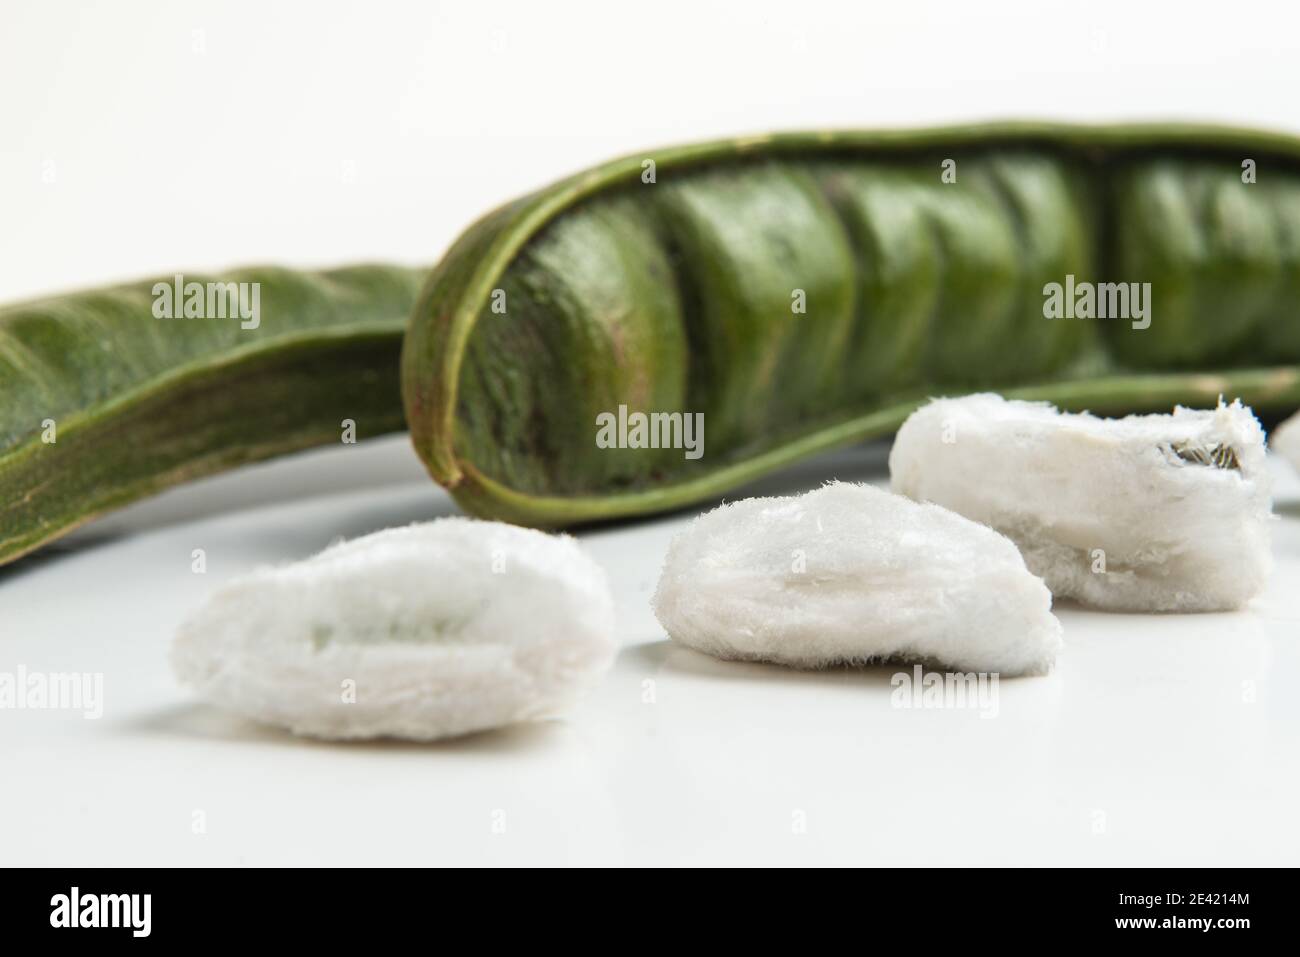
(853, 574)
(422, 632)
(1144, 513)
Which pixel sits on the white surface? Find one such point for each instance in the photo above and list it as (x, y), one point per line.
(174, 135)
(1180, 730)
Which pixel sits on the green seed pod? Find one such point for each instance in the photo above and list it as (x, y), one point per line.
(792, 294)
(110, 395)
(924, 262)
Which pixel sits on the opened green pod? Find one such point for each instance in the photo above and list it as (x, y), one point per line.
(806, 291)
(789, 293)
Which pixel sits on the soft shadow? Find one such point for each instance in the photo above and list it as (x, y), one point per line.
(52, 552)
(200, 721)
(1061, 603)
(1289, 509)
(669, 656)
(1075, 607)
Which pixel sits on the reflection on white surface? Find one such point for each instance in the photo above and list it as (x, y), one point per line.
(1157, 740)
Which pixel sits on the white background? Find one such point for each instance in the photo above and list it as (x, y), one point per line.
(154, 137)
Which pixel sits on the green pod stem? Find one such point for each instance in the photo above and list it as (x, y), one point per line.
(807, 291)
(102, 401)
